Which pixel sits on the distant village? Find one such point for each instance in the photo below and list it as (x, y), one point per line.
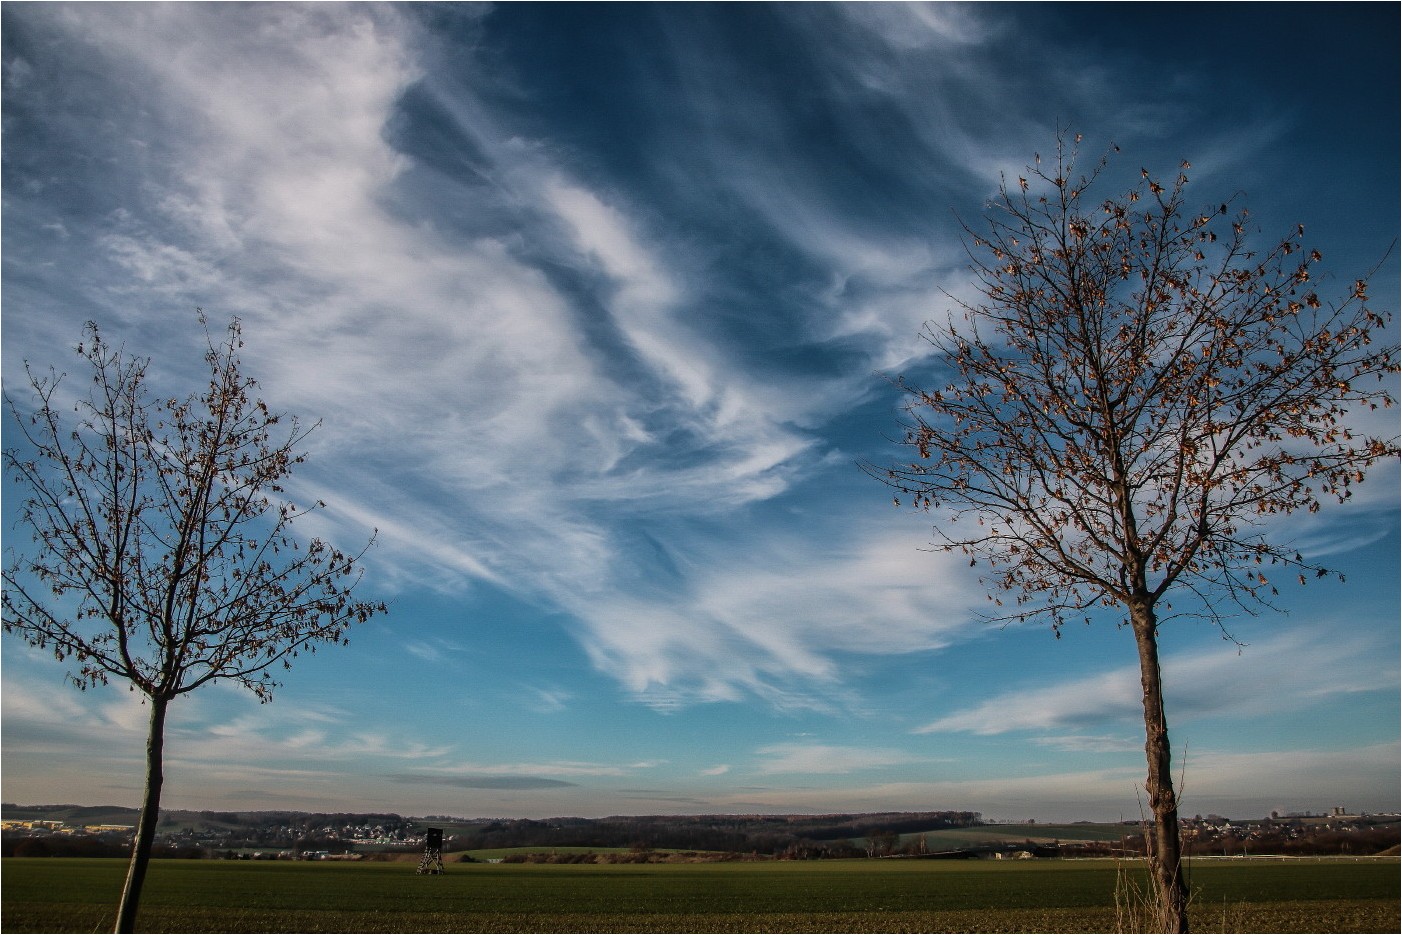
(1335, 832)
(213, 834)
(79, 831)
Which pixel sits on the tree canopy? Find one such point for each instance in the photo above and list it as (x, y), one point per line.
(165, 554)
(1137, 395)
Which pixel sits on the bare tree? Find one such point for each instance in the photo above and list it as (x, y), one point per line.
(1134, 399)
(163, 553)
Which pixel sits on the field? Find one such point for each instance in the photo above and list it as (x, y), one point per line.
(956, 838)
(72, 895)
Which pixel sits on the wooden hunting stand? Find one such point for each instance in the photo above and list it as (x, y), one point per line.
(432, 860)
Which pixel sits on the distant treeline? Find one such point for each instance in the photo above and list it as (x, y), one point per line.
(763, 834)
(184, 833)
(67, 845)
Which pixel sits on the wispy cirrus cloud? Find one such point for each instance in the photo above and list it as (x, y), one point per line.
(41, 719)
(773, 616)
(547, 700)
(517, 776)
(285, 208)
(531, 368)
(225, 721)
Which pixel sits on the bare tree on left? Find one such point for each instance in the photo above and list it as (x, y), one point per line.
(161, 549)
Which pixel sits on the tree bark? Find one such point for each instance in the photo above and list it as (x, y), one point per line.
(146, 825)
(1165, 853)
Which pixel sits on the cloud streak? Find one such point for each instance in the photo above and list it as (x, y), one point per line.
(1197, 684)
(828, 759)
(1217, 781)
(469, 781)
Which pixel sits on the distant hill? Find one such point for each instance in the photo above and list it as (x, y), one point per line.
(71, 814)
(765, 834)
(878, 834)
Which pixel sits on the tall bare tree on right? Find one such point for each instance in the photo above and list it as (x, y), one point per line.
(1134, 401)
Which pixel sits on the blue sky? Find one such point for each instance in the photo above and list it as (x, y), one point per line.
(597, 305)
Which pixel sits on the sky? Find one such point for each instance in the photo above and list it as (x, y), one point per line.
(599, 308)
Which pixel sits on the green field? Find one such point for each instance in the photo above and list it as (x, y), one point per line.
(956, 838)
(497, 853)
(71, 895)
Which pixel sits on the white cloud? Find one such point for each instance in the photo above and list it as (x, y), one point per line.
(921, 25)
(227, 725)
(551, 770)
(1219, 682)
(1106, 696)
(1085, 794)
(603, 233)
(1300, 779)
(548, 700)
(47, 715)
(771, 616)
(826, 759)
(1096, 743)
(1240, 785)
(223, 723)
(424, 651)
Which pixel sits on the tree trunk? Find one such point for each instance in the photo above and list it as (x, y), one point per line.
(146, 825)
(1165, 854)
